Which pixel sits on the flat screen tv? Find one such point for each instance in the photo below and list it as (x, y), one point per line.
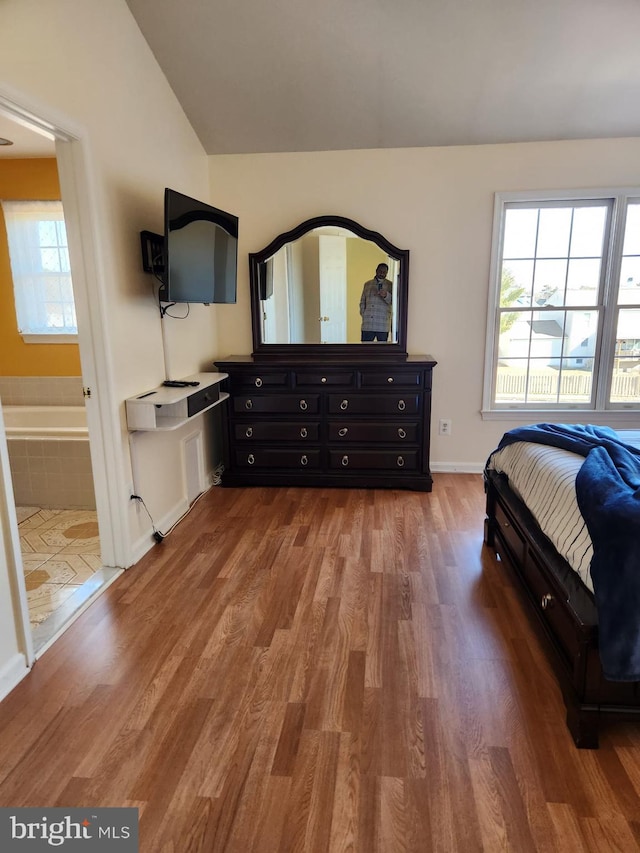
(200, 251)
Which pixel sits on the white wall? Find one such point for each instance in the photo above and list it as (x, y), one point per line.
(437, 202)
(84, 66)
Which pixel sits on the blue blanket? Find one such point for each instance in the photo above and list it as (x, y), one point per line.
(608, 494)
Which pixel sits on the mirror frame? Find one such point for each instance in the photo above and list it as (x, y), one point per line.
(370, 351)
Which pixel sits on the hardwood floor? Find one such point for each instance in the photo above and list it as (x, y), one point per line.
(318, 670)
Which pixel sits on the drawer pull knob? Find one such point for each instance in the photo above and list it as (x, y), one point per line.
(400, 461)
(344, 405)
(546, 601)
(248, 432)
(303, 432)
(402, 405)
(304, 405)
(251, 459)
(345, 461)
(258, 382)
(323, 380)
(342, 432)
(402, 433)
(248, 404)
(303, 459)
(506, 524)
(390, 379)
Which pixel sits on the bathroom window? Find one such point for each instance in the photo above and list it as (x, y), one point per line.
(39, 255)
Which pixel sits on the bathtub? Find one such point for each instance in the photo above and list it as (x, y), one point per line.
(45, 422)
(50, 457)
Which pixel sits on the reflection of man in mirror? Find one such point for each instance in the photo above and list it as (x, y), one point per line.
(375, 306)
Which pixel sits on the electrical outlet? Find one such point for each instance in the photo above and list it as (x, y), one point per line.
(445, 426)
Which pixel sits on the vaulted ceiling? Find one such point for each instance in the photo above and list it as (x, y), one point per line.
(294, 75)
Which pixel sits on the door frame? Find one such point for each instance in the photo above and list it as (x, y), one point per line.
(81, 218)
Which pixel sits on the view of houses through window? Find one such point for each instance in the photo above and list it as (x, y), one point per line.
(568, 319)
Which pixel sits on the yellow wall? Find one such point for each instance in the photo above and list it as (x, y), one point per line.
(23, 180)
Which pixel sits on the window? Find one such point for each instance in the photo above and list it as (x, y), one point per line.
(564, 313)
(39, 255)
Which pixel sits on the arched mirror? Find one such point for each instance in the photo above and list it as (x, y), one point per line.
(307, 287)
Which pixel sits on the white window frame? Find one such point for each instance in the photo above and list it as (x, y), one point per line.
(612, 259)
(44, 210)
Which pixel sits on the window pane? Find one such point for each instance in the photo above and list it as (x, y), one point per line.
(632, 231)
(554, 232)
(50, 260)
(549, 282)
(543, 382)
(511, 381)
(515, 334)
(576, 381)
(583, 281)
(516, 283)
(520, 233)
(587, 238)
(47, 233)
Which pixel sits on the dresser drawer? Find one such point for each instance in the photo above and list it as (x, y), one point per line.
(276, 403)
(391, 379)
(327, 378)
(278, 458)
(373, 460)
(374, 404)
(276, 431)
(381, 433)
(262, 379)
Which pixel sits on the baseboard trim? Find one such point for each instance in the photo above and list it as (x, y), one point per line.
(457, 467)
(12, 673)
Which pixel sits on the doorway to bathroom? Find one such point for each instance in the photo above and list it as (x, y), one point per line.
(48, 438)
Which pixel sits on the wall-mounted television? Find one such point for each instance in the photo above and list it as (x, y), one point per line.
(200, 252)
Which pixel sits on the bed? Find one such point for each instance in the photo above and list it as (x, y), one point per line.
(535, 524)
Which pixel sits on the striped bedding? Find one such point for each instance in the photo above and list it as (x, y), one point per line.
(544, 478)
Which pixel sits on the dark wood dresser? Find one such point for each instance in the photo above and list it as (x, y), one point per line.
(354, 422)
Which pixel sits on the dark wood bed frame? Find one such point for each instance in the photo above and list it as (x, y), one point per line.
(565, 611)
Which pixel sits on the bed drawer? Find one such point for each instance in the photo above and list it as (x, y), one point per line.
(509, 535)
(552, 605)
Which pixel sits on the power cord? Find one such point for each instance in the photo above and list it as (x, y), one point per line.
(158, 535)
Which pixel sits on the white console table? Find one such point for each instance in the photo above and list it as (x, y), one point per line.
(169, 408)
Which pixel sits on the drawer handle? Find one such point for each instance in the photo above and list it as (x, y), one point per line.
(303, 432)
(344, 405)
(402, 432)
(390, 379)
(323, 380)
(251, 459)
(345, 461)
(402, 405)
(342, 432)
(506, 524)
(248, 404)
(248, 432)
(304, 405)
(546, 601)
(400, 461)
(303, 459)
(258, 382)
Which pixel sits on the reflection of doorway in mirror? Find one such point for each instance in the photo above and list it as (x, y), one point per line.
(333, 289)
(394, 276)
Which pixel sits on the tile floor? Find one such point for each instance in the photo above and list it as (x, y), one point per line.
(60, 554)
